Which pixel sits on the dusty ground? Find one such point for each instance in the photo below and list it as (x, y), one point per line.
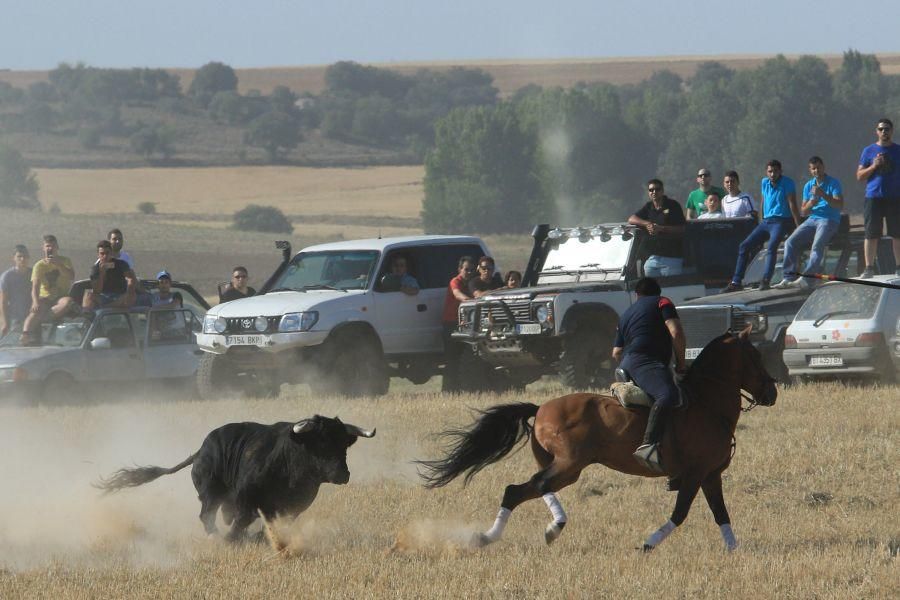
(812, 492)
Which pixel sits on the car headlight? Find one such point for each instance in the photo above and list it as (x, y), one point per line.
(542, 314)
(260, 324)
(214, 324)
(301, 321)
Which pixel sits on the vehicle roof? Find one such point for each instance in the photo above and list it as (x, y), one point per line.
(390, 242)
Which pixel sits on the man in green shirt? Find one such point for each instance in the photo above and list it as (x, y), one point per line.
(696, 202)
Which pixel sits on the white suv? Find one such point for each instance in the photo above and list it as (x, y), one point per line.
(330, 318)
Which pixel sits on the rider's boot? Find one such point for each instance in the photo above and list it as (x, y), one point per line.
(648, 452)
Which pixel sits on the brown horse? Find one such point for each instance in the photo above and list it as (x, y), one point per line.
(574, 431)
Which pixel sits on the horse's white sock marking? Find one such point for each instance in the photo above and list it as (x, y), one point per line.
(728, 536)
(493, 534)
(660, 534)
(556, 509)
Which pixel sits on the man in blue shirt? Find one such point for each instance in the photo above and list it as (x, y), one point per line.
(780, 215)
(823, 199)
(879, 167)
(647, 333)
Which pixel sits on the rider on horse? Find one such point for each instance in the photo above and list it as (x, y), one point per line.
(647, 332)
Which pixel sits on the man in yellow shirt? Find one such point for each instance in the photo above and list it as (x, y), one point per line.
(51, 278)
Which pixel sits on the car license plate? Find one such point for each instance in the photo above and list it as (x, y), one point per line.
(528, 328)
(826, 360)
(246, 340)
(692, 353)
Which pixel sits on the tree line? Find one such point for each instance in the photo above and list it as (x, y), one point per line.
(583, 154)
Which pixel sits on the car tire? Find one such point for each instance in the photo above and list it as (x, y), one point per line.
(352, 365)
(582, 358)
(214, 377)
(60, 388)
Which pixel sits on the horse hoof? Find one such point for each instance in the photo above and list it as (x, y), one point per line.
(647, 548)
(553, 531)
(480, 540)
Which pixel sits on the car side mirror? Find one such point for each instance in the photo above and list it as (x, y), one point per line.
(389, 283)
(101, 343)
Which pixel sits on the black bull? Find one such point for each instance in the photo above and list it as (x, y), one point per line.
(250, 468)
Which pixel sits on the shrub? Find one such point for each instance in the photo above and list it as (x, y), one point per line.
(147, 208)
(18, 185)
(89, 137)
(55, 209)
(262, 218)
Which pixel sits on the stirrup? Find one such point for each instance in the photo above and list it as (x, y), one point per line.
(648, 455)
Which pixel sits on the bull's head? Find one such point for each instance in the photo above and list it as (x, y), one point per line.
(327, 441)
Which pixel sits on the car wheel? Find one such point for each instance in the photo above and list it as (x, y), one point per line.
(352, 365)
(214, 377)
(60, 388)
(584, 361)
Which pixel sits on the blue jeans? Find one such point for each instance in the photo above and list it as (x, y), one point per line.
(819, 232)
(663, 266)
(774, 229)
(653, 377)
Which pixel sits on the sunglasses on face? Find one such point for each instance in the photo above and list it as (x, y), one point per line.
(651, 190)
(240, 277)
(703, 175)
(884, 129)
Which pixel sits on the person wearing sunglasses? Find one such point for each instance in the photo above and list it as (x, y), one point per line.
(879, 168)
(664, 220)
(238, 287)
(696, 202)
(486, 279)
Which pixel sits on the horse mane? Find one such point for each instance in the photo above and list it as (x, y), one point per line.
(709, 354)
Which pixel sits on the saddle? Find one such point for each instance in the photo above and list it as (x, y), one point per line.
(630, 395)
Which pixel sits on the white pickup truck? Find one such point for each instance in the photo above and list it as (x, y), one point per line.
(333, 317)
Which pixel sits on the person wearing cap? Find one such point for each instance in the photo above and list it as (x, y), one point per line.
(163, 295)
(696, 202)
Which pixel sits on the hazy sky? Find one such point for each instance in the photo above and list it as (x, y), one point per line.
(38, 34)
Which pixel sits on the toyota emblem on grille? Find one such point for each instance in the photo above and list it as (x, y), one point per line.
(246, 323)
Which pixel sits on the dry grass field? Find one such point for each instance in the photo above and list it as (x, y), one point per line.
(812, 492)
(509, 75)
(365, 191)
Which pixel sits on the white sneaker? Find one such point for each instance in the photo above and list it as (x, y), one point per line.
(786, 284)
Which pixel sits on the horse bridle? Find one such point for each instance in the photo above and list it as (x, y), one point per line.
(751, 400)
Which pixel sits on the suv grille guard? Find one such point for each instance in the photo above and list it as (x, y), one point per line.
(476, 317)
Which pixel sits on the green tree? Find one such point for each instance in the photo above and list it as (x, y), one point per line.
(18, 185)
(274, 132)
(211, 78)
(282, 99)
(234, 109)
(150, 140)
(262, 218)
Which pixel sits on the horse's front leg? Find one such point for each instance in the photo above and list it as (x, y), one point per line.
(712, 489)
(686, 494)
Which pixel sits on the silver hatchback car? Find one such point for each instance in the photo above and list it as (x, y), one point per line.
(843, 330)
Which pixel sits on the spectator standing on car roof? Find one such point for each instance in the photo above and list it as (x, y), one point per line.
(696, 201)
(780, 214)
(879, 167)
(51, 278)
(238, 287)
(15, 292)
(117, 241)
(823, 199)
(664, 221)
(457, 293)
(163, 296)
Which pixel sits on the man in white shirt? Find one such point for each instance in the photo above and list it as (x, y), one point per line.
(736, 203)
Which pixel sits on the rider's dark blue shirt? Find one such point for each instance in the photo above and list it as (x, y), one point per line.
(642, 328)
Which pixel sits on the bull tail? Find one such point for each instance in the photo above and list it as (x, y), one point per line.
(126, 478)
(493, 435)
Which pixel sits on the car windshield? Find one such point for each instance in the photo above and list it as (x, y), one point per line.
(341, 270)
(68, 333)
(844, 300)
(579, 251)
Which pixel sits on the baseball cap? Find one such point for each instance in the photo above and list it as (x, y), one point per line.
(165, 274)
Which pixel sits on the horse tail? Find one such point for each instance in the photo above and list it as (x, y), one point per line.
(125, 478)
(493, 435)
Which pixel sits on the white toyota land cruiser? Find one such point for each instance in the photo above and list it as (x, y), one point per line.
(334, 317)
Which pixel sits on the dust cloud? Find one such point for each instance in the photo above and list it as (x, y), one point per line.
(557, 148)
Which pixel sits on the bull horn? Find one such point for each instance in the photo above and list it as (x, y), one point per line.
(354, 430)
(304, 426)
